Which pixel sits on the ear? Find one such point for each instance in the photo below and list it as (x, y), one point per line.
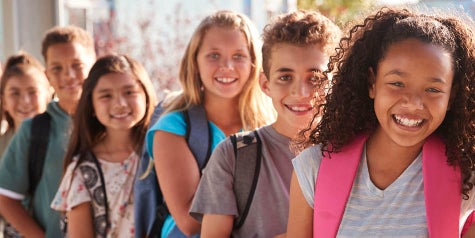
(47, 76)
(264, 83)
(372, 82)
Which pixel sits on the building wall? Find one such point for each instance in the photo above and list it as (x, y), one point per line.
(23, 25)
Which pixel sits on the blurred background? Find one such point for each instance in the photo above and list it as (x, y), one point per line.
(156, 32)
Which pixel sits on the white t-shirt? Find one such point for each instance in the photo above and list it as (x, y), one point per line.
(119, 179)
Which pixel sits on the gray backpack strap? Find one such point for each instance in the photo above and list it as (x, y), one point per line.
(199, 142)
(248, 154)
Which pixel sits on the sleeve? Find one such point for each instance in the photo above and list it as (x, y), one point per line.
(306, 166)
(173, 122)
(14, 176)
(215, 194)
(72, 191)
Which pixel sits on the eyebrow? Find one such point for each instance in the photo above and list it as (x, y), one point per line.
(400, 73)
(130, 86)
(283, 69)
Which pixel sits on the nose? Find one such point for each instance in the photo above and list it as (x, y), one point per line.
(69, 73)
(226, 63)
(120, 101)
(413, 101)
(301, 89)
(25, 98)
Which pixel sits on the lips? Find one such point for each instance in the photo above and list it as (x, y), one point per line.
(225, 80)
(120, 115)
(70, 86)
(404, 121)
(299, 108)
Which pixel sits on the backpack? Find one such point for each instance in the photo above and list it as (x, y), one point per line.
(441, 189)
(95, 184)
(248, 154)
(150, 208)
(40, 129)
(247, 147)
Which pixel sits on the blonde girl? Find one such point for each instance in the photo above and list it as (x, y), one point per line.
(219, 71)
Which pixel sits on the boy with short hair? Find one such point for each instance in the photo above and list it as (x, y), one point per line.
(69, 54)
(296, 50)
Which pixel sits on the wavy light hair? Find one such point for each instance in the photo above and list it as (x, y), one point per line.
(254, 107)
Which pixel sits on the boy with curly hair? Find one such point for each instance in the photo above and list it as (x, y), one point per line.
(295, 53)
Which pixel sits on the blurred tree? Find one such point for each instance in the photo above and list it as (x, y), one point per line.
(340, 11)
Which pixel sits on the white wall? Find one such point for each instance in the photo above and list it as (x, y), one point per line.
(24, 23)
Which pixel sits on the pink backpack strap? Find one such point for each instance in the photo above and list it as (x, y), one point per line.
(331, 194)
(441, 190)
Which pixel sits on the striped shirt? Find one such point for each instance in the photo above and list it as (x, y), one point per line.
(397, 211)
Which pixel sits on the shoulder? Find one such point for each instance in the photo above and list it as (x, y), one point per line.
(306, 166)
(308, 161)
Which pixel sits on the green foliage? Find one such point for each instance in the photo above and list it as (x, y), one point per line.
(340, 11)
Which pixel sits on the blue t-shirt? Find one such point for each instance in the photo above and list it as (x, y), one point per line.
(14, 177)
(174, 122)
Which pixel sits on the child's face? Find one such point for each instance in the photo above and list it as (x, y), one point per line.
(26, 95)
(119, 101)
(411, 92)
(224, 62)
(67, 65)
(291, 84)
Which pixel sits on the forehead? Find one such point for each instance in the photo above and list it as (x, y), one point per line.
(26, 80)
(416, 56)
(285, 55)
(116, 80)
(222, 36)
(65, 52)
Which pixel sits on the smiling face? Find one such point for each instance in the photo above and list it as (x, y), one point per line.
(224, 63)
(119, 101)
(67, 66)
(26, 95)
(411, 92)
(292, 75)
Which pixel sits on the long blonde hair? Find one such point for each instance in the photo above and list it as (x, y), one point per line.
(254, 107)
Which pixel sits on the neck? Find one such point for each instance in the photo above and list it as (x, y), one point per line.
(224, 114)
(68, 107)
(115, 147)
(285, 129)
(387, 160)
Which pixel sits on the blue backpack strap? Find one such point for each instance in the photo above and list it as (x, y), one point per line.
(248, 154)
(149, 218)
(147, 189)
(199, 142)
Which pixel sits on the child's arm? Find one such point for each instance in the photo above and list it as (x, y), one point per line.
(80, 221)
(300, 221)
(14, 212)
(178, 176)
(216, 226)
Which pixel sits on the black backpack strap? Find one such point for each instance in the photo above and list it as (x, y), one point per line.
(199, 142)
(94, 180)
(40, 129)
(248, 153)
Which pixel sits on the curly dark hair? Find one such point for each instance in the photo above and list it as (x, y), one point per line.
(302, 27)
(348, 110)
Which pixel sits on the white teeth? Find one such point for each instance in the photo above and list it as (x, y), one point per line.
(120, 115)
(299, 109)
(225, 80)
(408, 122)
